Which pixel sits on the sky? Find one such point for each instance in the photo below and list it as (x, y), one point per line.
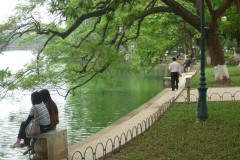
(6, 7)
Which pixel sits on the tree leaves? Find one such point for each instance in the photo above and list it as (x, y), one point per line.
(82, 38)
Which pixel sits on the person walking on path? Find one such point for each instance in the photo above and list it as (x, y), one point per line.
(187, 64)
(174, 68)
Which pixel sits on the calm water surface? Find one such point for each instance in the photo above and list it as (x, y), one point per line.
(94, 107)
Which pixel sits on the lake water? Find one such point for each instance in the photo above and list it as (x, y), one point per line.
(94, 106)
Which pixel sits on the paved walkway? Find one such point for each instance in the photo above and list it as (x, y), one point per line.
(114, 132)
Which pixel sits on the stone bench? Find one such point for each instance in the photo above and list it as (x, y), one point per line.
(51, 145)
(167, 82)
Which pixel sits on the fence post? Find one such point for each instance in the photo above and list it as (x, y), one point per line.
(188, 85)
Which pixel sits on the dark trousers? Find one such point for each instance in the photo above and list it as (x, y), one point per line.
(47, 128)
(22, 133)
(174, 80)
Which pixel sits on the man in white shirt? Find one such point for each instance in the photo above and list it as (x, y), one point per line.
(174, 68)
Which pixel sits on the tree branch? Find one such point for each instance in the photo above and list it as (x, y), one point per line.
(104, 67)
(105, 31)
(223, 7)
(137, 32)
(151, 4)
(178, 9)
(152, 11)
(210, 8)
(78, 22)
(89, 33)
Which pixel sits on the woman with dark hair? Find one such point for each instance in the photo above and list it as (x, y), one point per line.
(51, 106)
(42, 116)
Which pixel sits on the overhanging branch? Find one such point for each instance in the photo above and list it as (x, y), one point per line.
(178, 9)
(225, 5)
(78, 22)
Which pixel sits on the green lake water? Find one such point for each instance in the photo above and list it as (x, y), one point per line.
(94, 106)
(97, 105)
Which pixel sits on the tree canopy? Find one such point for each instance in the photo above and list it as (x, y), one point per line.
(81, 39)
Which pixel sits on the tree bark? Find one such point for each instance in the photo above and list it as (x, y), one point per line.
(237, 53)
(213, 44)
(215, 51)
(238, 44)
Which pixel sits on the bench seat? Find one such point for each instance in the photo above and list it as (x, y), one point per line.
(51, 145)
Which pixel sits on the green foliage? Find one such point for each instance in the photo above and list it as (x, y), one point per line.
(4, 75)
(159, 34)
(229, 28)
(228, 54)
(63, 62)
(83, 38)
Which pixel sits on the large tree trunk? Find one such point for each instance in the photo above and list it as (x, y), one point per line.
(237, 55)
(215, 51)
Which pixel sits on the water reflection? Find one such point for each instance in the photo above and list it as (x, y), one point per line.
(13, 111)
(94, 107)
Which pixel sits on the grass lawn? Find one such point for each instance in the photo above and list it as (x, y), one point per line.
(233, 71)
(177, 136)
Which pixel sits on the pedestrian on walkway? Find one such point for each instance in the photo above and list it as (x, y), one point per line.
(187, 64)
(174, 68)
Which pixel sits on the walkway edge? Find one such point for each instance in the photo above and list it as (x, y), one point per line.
(130, 120)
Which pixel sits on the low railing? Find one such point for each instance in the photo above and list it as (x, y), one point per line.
(225, 96)
(103, 149)
(111, 145)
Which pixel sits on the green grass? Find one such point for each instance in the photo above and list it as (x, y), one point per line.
(177, 136)
(233, 71)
